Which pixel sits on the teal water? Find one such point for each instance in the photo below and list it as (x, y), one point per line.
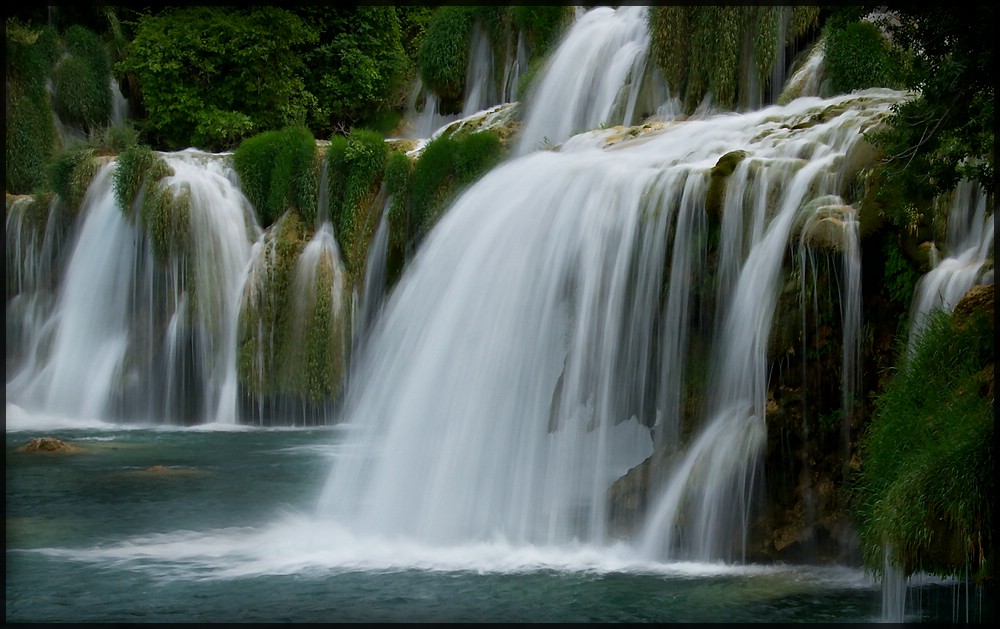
(217, 525)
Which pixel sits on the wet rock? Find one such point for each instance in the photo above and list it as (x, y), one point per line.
(48, 444)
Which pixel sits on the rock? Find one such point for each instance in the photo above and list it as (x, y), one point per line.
(48, 444)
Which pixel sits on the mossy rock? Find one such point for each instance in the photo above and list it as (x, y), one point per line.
(717, 186)
(49, 444)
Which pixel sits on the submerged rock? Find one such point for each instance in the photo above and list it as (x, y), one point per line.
(48, 444)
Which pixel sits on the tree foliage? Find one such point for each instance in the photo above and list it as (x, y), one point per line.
(212, 76)
(358, 66)
(946, 132)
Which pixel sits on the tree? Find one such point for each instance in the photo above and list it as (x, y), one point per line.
(211, 76)
(946, 132)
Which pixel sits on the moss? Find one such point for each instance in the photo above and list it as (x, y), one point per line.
(264, 319)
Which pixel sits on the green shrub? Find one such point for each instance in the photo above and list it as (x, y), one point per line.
(70, 174)
(398, 170)
(444, 53)
(446, 165)
(857, 57)
(355, 165)
(358, 68)
(925, 488)
(137, 168)
(278, 170)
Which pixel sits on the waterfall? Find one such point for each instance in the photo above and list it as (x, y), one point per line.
(593, 78)
(375, 276)
(507, 382)
(968, 245)
(480, 91)
(132, 337)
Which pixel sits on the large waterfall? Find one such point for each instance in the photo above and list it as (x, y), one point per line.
(534, 351)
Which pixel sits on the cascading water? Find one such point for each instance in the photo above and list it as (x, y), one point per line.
(507, 383)
(968, 244)
(133, 337)
(596, 77)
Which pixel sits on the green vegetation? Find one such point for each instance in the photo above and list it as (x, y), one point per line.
(700, 50)
(81, 81)
(31, 133)
(357, 69)
(355, 165)
(444, 53)
(946, 132)
(857, 57)
(70, 174)
(140, 194)
(292, 338)
(446, 166)
(279, 170)
(926, 485)
(212, 76)
(443, 56)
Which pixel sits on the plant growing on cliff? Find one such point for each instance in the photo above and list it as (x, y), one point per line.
(447, 165)
(355, 165)
(926, 487)
(31, 133)
(80, 80)
(279, 170)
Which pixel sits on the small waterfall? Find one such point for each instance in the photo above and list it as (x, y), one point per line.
(88, 327)
(480, 89)
(594, 78)
(375, 277)
(968, 245)
(893, 590)
(134, 337)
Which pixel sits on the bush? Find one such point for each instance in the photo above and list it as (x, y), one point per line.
(278, 170)
(444, 54)
(857, 57)
(70, 174)
(355, 165)
(446, 165)
(358, 67)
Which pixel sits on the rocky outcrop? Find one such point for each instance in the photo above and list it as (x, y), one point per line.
(49, 444)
